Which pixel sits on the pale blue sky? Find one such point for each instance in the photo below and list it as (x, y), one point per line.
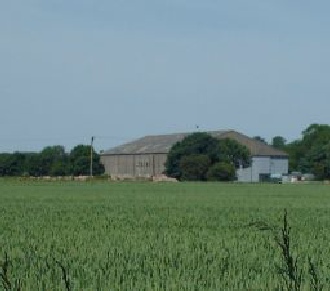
(121, 69)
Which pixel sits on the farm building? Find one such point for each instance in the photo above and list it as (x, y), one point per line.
(145, 157)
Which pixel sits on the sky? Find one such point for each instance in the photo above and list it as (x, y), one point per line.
(120, 70)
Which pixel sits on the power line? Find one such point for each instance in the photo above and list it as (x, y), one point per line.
(44, 139)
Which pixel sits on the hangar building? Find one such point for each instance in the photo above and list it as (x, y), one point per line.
(145, 157)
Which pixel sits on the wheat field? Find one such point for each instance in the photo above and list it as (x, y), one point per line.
(160, 236)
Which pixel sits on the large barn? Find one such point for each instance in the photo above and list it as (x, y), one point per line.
(146, 157)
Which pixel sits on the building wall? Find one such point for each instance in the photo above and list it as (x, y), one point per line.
(137, 165)
(264, 165)
(280, 166)
(148, 165)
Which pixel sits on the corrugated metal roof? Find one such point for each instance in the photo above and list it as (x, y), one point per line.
(163, 143)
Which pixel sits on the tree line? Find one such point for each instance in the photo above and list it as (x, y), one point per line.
(198, 157)
(51, 161)
(310, 153)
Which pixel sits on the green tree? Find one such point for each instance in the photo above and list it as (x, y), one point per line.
(194, 167)
(59, 168)
(80, 161)
(12, 164)
(311, 154)
(3, 167)
(51, 161)
(182, 161)
(52, 158)
(296, 154)
(198, 143)
(6, 162)
(221, 172)
(279, 142)
(17, 164)
(261, 139)
(33, 164)
(318, 160)
(232, 152)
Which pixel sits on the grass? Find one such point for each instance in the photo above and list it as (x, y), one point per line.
(150, 236)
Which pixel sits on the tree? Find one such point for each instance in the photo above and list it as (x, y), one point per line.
(33, 164)
(59, 168)
(199, 143)
(191, 158)
(296, 153)
(51, 161)
(232, 152)
(12, 164)
(318, 160)
(54, 160)
(194, 167)
(3, 166)
(311, 154)
(80, 161)
(278, 142)
(259, 138)
(221, 172)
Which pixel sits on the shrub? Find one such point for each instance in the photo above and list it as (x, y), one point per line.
(221, 172)
(194, 167)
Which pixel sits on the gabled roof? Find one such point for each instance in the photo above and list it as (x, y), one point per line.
(161, 144)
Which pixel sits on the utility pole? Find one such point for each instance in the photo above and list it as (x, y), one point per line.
(91, 168)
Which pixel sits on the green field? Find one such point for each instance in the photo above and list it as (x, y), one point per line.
(150, 236)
